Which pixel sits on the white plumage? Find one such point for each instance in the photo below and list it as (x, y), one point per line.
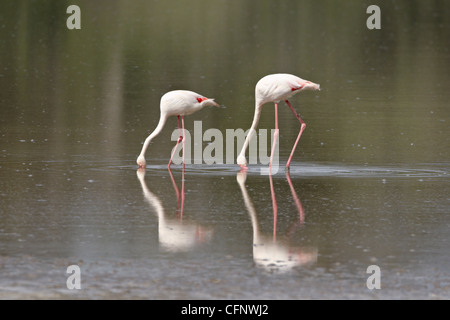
(175, 103)
(275, 88)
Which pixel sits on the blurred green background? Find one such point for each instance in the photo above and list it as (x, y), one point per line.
(384, 95)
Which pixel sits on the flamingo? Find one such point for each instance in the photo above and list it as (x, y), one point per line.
(275, 88)
(178, 103)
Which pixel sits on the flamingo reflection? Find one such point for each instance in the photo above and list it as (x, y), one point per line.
(270, 253)
(174, 234)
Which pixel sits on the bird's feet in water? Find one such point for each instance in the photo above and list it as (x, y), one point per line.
(242, 162)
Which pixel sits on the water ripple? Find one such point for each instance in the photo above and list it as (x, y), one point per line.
(307, 169)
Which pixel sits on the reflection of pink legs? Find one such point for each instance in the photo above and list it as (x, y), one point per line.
(180, 196)
(272, 191)
(182, 186)
(275, 209)
(298, 204)
(181, 138)
(302, 128)
(175, 187)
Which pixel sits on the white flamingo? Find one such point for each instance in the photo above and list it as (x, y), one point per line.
(275, 88)
(178, 103)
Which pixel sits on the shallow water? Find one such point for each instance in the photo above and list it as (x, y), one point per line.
(131, 238)
(368, 185)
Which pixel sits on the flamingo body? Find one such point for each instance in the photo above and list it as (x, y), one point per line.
(178, 103)
(183, 103)
(275, 88)
(279, 87)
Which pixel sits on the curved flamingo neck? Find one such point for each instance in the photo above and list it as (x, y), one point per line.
(252, 129)
(158, 129)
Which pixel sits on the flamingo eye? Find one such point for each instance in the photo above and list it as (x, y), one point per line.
(201, 99)
(298, 88)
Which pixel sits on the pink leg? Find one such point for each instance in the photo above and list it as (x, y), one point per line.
(302, 128)
(182, 174)
(178, 141)
(275, 136)
(184, 139)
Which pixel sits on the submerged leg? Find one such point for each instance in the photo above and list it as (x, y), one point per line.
(302, 128)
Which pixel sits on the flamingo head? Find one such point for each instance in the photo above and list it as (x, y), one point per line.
(206, 102)
(311, 86)
(241, 161)
(241, 176)
(141, 162)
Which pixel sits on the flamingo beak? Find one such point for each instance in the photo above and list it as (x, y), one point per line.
(215, 103)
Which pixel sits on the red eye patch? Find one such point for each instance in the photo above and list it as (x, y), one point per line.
(201, 99)
(298, 88)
